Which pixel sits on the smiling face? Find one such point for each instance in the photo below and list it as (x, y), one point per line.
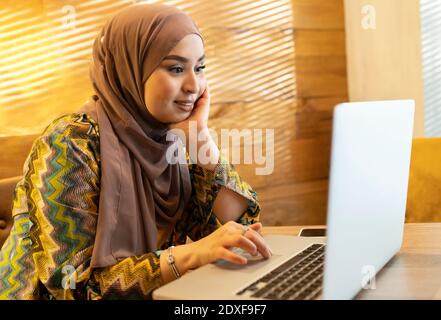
(179, 77)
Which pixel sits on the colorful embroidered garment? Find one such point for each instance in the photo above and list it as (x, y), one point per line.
(47, 254)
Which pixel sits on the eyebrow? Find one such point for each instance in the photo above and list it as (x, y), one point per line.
(182, 59)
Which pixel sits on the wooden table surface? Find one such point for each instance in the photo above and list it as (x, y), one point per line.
(413, 273)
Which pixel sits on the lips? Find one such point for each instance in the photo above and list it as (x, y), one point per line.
(185, 105)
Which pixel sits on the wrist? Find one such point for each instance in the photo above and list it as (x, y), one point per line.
(172, 262)
(190, 131)
(203, 150)
(185, 259)
(209, 159)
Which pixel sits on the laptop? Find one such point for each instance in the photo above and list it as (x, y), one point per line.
(370, 160)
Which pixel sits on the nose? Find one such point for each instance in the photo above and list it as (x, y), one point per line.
(191, 83)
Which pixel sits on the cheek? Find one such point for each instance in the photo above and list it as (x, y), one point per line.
(159, 97)
(166, 93)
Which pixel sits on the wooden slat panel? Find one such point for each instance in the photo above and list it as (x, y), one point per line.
(300, 168)
(318, 14)
(321, 83)
(320, 42)
(321, 76)
(299, 204)
(45, 52)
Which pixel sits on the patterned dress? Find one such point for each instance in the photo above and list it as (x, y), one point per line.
(55, 211)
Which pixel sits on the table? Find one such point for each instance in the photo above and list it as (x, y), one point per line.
(413, 273)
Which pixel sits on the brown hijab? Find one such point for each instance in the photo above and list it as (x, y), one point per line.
(140, 191)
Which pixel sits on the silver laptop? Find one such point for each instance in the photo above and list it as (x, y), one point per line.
(370, 159)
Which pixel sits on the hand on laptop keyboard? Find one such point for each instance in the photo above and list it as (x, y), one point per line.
(246, 254)
(217, 245)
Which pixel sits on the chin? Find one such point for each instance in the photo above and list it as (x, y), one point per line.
(175, 119)
(181, 118)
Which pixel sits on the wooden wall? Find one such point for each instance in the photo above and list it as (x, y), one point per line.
(14, 151)
(300, 197)
(384, 62)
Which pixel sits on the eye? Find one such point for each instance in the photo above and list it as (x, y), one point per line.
(176, 68)
(202, 67)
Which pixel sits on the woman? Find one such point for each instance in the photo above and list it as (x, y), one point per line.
(101, 212)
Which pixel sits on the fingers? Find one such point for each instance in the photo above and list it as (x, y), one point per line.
(243, 243)
(201, 110)
(205, 97)
(206, 93)
(250, 241)
(253, 234)
(256, 227)
(259, 242)
(232, 257)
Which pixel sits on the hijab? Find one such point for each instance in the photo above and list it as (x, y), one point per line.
(140, 191)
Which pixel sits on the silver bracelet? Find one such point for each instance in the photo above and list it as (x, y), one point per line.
(171, 262)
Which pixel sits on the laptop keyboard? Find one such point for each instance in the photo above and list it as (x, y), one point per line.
(299, 278)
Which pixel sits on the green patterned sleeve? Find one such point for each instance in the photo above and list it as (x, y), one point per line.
(63, 193)
(131, 278)
(200, 219)
(62, 190)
